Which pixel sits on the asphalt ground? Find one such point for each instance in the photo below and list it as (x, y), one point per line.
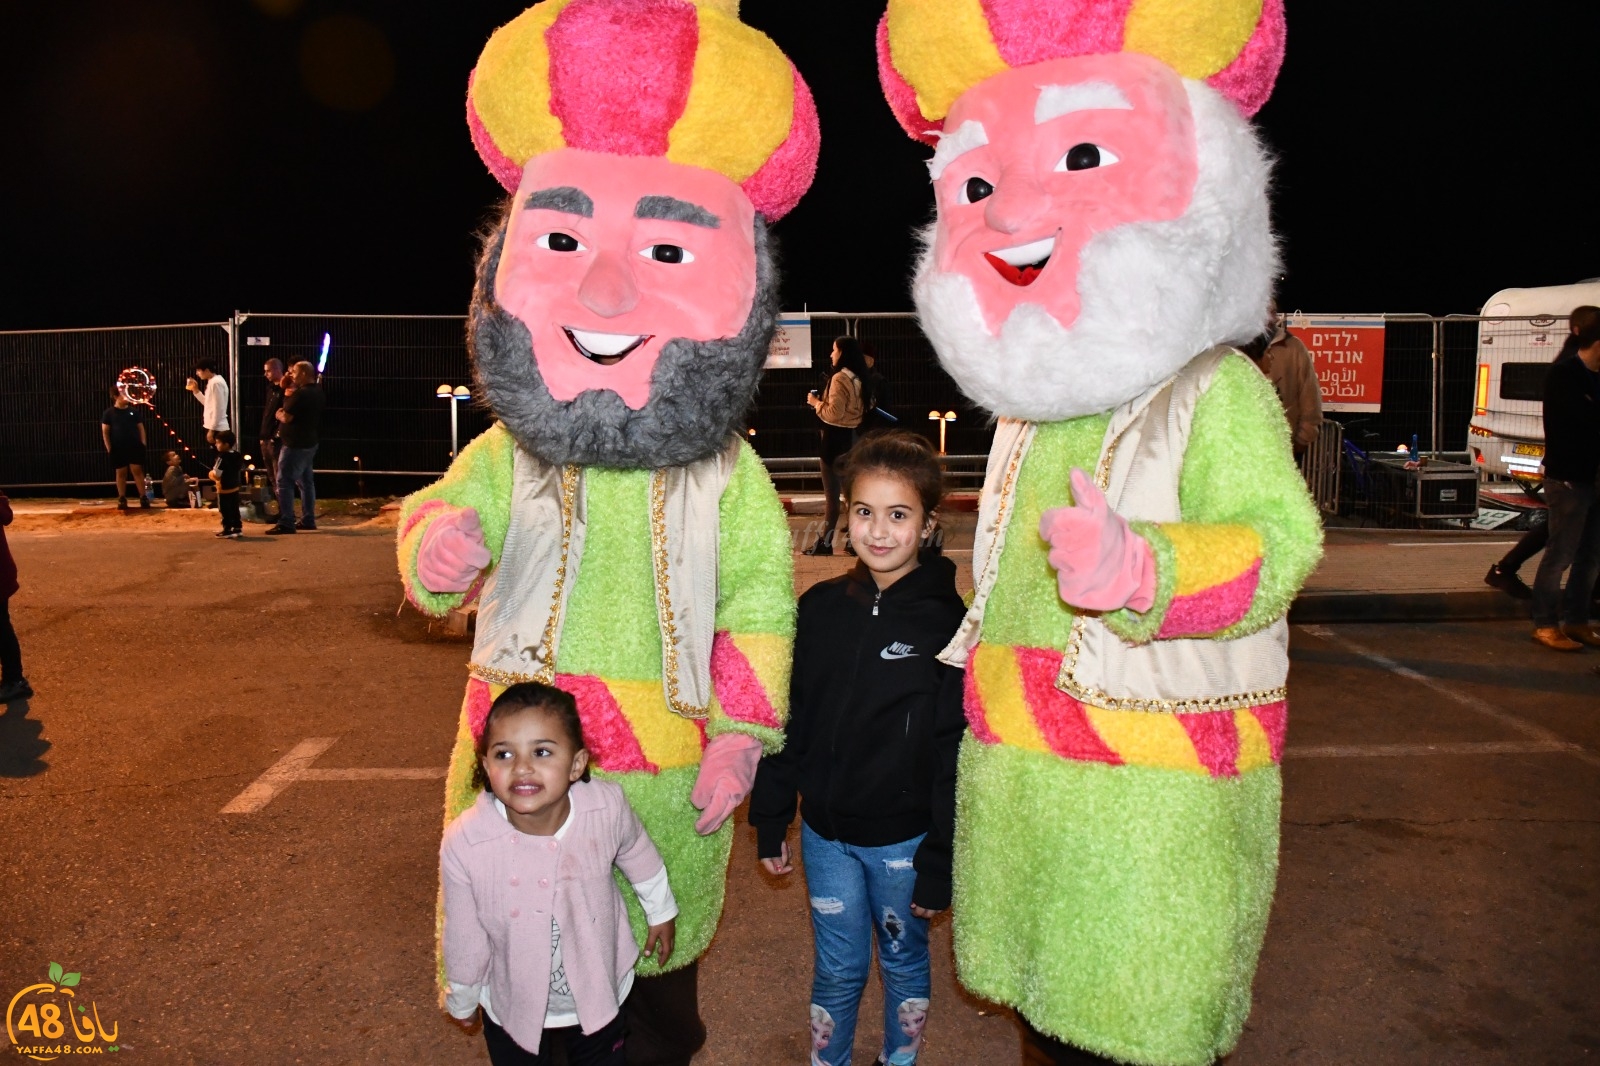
(1437, 899)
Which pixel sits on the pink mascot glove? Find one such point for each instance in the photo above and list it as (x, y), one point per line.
(727, 768)
(452, 553)
(1100, 563)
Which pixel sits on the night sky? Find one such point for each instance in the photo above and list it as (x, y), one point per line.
(175, 160)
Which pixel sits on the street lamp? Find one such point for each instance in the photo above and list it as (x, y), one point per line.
(943, 420)
(455, 395)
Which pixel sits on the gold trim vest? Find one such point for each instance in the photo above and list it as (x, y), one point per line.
(1140, 466)
(524, 601)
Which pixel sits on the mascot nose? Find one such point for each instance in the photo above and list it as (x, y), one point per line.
(608, 288)
(1014, 203)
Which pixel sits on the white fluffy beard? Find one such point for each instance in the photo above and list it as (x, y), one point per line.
(1154, 294)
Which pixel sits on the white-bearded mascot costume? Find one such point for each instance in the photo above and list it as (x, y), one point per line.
(1102, 235)
(620, 538)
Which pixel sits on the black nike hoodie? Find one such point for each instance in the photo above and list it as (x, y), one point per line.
(875, 721)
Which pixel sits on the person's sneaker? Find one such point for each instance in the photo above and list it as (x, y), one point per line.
(1552, 638)
(1585, 634)
(1508, 582)
(144, 503)
(305, 527)
(17, 690)
(235, 535)
(276, 531)
(222, 535)
(122, 503)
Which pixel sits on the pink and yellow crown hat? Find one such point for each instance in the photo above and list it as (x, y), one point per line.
(932, 51)
(682, 79)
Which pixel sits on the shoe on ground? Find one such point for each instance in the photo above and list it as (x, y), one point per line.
(122, 503)
(144, 503)
(823, 546)
(16, 690)
(305, 527)
(1552, 638)
(222, 535)
(1585, 634)
(1508, 582)
(276, 531)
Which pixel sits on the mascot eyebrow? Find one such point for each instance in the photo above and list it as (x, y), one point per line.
(563, 198)
(671, 209)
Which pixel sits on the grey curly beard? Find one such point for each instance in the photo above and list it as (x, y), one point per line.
(699, 390)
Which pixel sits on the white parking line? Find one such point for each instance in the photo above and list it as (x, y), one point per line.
(296, 766)
(1543, 740)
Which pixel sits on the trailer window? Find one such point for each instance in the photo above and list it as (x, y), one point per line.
(1523, 381)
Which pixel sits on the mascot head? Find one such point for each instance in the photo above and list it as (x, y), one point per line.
(625, 301)
(1102, 200)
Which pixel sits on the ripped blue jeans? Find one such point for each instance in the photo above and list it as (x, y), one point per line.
(857, 893)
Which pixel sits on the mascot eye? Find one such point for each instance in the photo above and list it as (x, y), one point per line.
(559, 242)
(667, 253)
(1087, 157)
(974, 190)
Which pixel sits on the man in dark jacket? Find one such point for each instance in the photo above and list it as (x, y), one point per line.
(13, 686)
(272, 370)
(1503, 574)
(300, 421)
(1571, 466)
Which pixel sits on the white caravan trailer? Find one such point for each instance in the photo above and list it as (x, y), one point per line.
(1522, 331)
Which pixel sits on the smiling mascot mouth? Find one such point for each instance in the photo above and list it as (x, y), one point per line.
(607, 349)
(1021, 265)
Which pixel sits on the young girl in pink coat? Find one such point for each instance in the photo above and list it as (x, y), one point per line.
(535, 930)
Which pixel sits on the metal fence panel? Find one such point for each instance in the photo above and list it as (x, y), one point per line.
(54, 387)
(380, 381)
(383, 415)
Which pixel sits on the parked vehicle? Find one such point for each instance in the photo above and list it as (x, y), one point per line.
(1521, 332)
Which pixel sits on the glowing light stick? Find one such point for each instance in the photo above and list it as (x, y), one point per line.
(327, 342)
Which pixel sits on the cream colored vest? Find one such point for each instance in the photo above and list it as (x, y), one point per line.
(524, 602)
(1141, 461)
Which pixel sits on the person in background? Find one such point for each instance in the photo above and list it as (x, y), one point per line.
(13, 686)
(175, 483)
(1294, 376)
(227, 475)
(300, 421)
(839, 407)
(211, 391)
(1503, 574)
(272, 370)
(874, 394)
(122, 430)
(1571, 466)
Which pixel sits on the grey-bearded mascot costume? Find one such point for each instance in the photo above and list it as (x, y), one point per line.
(619, 537)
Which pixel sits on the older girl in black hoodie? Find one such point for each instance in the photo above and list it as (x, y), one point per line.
(875, 721)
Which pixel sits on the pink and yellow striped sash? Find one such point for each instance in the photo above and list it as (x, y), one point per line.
(1011, 698)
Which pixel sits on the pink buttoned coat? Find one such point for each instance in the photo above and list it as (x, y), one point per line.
(502, 887)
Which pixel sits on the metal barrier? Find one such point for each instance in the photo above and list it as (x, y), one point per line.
(54, 386)
(386, 430)
(1322, 463)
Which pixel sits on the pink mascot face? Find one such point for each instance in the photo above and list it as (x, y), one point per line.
(1037, 161)
(607, 258)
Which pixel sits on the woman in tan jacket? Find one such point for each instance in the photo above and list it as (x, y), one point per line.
(840, 405)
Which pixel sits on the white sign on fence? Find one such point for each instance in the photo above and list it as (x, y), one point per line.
(257, 340)
(791, 344)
